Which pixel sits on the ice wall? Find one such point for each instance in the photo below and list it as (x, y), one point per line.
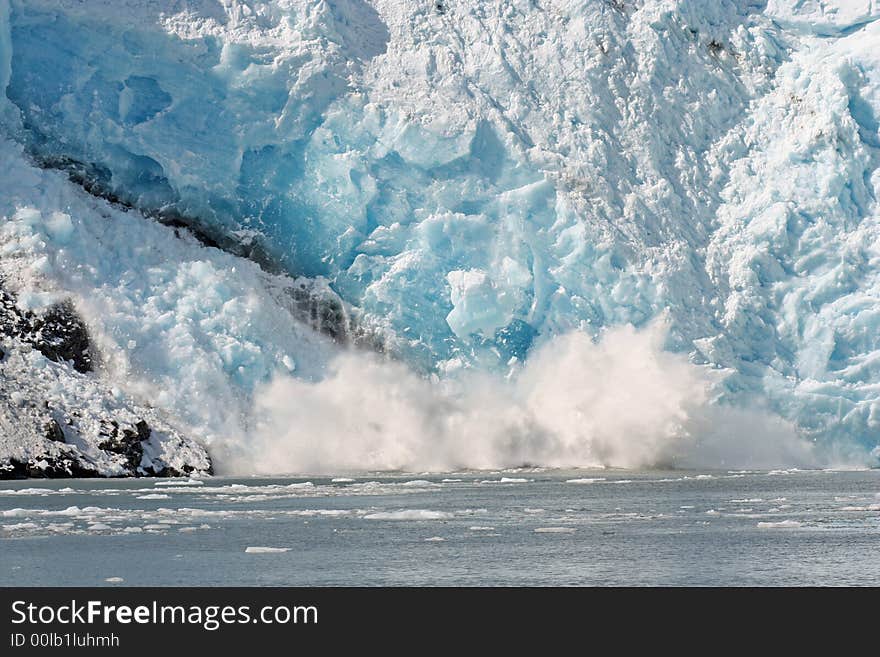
(427, 161)
(479, 177)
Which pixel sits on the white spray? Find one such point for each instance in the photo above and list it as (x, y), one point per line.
(621, 401)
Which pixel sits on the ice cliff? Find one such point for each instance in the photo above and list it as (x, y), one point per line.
(208, 181)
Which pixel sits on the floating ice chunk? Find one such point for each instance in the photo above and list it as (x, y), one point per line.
(409, 514)
(555, 530)
(585, 480)
(28, 491)
(21, 526)
(435, 539)
(481, 528)
(114, 580)
(782, 524)
(265, 550)
(342, 480)
(99, 527)
(179, 482)
(71, 511)
(154, 496)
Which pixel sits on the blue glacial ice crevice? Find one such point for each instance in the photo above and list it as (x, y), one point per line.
(478, 180)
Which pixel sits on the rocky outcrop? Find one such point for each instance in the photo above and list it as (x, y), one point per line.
(58, 333)
(59, 419)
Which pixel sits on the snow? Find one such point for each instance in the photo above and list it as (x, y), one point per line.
(84, 407)
(465, 187)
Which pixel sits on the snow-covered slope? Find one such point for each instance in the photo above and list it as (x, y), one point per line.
(471, 180)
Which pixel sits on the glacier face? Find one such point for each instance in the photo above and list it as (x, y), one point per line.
(474, 179)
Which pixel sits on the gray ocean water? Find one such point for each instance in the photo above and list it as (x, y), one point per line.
(525, 527)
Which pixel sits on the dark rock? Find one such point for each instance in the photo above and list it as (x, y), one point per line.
(59, 334)
(53, 431)
(323, 312)
(58, 467)
(64, 337)
(127, 443)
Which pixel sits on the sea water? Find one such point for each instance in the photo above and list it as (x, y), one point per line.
(520, 527)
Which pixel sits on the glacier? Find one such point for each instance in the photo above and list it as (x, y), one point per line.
(464, 187)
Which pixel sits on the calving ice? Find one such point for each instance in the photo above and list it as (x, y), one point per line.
(339, 235)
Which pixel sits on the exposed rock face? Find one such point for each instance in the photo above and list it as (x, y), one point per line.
(58, 419)
(58, 333)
